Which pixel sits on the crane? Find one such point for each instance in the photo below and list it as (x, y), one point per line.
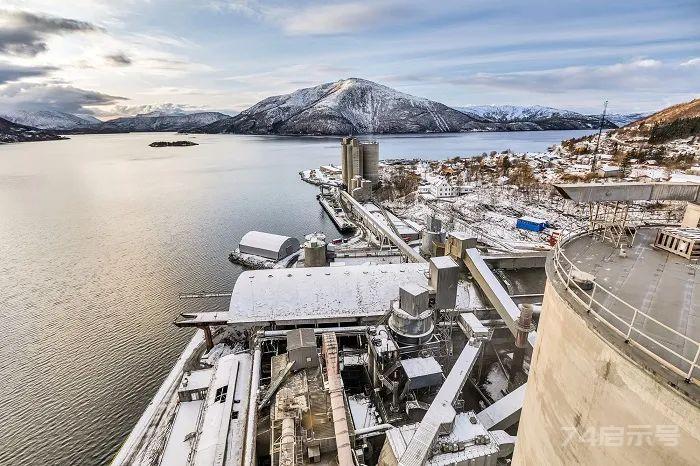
(597, 142)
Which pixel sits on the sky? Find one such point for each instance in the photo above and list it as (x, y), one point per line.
(111, 58)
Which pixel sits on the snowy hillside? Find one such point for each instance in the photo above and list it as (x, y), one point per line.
(181, 122)
(49, 119)
(12, 132)
(349, 106)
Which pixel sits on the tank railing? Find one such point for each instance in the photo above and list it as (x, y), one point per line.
(564, 269)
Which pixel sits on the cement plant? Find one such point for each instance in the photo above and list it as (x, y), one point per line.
(437, 332)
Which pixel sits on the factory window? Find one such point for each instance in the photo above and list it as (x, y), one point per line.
(220, 396)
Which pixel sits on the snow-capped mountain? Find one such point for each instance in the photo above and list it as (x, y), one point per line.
(49, 119)
(508, 113)
(348, 106)
(183, 122)
(12, 132)
(536, 116)
(624, 119)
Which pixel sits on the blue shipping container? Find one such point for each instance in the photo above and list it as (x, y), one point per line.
(531, 224)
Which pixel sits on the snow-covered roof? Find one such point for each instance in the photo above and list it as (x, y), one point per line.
(220, 435)
(196, 380)
(419, 367)
(322, 293)
(262, 240)
(177, 449)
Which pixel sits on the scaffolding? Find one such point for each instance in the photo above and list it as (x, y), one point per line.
(609, 221)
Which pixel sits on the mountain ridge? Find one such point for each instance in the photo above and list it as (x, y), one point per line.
(348, 106)
(162, 123)
(49, 119)
(12, 132)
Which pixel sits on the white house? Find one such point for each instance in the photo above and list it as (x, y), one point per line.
(442, 188)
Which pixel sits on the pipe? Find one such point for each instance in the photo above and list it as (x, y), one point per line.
(523, 325)
(249, 458)
(356, 329)
(373, 429)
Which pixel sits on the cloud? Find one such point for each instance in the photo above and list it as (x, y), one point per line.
(25, 34)
(60, 97)
(691, 62)
(335, 19)
(10, 72)
(119, 59)
(323, 20)
(637, 76)
(165, 108)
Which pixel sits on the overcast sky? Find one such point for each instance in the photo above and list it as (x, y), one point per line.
(112, 57)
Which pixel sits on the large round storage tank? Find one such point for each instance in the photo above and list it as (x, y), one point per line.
(595, 393)
(315, 250)
(370, 152)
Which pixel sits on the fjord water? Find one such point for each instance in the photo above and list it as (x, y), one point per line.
(99, 234)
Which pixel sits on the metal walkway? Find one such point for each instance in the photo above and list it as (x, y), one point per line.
(495, 292)
(381, 230)
(441, 411)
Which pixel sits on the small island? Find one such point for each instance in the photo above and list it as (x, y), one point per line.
(172, 144)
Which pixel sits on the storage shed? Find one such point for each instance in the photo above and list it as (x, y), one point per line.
(273, 247)
(531, 224)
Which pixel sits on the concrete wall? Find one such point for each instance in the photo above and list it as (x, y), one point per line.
(579, 384)
(691, 219)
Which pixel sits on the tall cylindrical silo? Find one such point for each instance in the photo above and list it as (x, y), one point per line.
(370, 152)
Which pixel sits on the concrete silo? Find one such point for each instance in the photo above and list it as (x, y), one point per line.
(315, 250)
(614, 376)
(344, 159)
(370, 152)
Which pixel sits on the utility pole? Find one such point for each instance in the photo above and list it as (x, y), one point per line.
(597, 142)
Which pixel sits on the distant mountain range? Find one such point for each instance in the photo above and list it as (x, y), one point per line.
(74, 124)
(622, 119)
(548, 117)
(49, 119)
(154, 123)
(348, 106)
(358, 106)
(12, 132)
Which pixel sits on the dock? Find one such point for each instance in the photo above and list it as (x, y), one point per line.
(336, 213)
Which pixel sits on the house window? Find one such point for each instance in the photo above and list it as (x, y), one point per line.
(220, 396)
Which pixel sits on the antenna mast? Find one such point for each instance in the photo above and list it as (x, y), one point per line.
(597, 142)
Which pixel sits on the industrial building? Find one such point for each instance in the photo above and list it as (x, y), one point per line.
(268, 245)
(436, 361)
(359, 161)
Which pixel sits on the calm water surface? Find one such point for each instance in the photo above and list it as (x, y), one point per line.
(99, 234)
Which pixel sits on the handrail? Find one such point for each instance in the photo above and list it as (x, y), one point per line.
(562, 263)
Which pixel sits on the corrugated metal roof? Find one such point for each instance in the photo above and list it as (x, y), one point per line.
(603, 192)
(323, 293)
